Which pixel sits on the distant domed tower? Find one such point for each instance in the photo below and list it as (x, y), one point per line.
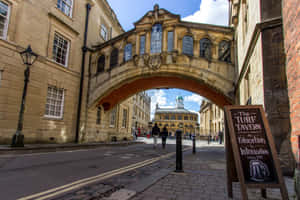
(179, 102)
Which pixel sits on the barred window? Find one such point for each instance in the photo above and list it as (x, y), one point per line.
(4, 18)
(173, 117)
(128, 52)
(124, 121)
(104, 32)
(170, 41)
(98, 120)
(142, 44)
(101, 64)
(65, 6)
(179, 117)
(205, 48)
(114, 56)
(187, 45)
(55, 102)
(113, 114)
(166, 117)
(186, 118)
(224, 51)
(60, 49)
(156, 38)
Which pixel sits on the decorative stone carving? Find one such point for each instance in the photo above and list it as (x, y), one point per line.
(154, 62)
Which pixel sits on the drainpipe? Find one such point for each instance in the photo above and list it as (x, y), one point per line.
(84, 50)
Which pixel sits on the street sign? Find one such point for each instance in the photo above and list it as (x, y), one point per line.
(250, 151)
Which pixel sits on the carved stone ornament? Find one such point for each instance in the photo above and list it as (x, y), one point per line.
(154, 62)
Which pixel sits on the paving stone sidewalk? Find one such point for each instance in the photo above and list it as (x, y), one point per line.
(203, 180)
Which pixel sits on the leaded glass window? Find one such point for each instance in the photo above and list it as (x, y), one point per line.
(65, 6)
(128, 52)
(224, 51)
(156, 38)
(101, 64)
(124, 120)
(187, 45)
(60, 49)
(114, 56)
(98, 120)
(54, 102)
(142, 44)
(113, 114)
(205, 48)
(4, 18)
(170, 41)
(103, 32)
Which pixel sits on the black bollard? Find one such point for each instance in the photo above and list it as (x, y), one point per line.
(194, 144)
(178, 152)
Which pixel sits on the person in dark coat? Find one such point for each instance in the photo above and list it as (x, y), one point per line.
(164, 135)
(155, 134)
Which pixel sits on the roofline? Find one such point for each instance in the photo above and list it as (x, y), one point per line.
(113, 13)
(113, 40)
(204, 26)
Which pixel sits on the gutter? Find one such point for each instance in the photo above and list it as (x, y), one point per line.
(84, 50)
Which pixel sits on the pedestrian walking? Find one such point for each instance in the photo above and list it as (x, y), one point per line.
(221, 136)
(164, 135)
(155, 134)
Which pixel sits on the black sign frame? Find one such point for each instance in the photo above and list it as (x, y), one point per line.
(250, 141)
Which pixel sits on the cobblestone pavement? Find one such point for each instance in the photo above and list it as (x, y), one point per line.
(202, 180)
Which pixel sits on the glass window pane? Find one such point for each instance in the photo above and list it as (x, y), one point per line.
(127, 52)
(101, 64)
(205, 48)
(142, 44)
(156, 38)
(187, 45)
(114, 56)
(170, 41)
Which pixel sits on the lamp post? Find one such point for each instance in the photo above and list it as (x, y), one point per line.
(28, 57)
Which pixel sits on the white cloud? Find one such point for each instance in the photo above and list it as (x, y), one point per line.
(194, 98)
(157, 96)
(211, 12)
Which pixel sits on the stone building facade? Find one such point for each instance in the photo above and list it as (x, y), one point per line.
(260, 67)
(141, 103)
(55, 30)
(177, 118)
(211, 119)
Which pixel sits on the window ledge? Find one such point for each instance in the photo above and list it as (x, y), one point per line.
(55, 15)
(46, 117)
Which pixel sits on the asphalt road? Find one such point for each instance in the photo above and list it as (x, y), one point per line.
(23, 175)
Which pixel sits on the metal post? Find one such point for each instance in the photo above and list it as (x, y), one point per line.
(178, 151)
(194, 144)
(18, 138)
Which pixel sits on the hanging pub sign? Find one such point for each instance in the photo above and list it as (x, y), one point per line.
(251, 143)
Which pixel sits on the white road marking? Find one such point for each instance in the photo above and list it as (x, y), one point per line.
(80, 183)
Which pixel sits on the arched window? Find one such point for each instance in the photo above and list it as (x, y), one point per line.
(101, 64)
(156, 38)
(187, 45)
(205, 48)
(114, 56)
(224, 51)
(127, 52)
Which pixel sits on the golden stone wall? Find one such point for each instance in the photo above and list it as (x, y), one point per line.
(188, 126)
(35, 22)
(211, 119)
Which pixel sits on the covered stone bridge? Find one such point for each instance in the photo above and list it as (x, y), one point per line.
(164, 52)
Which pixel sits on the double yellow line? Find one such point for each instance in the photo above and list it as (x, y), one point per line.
(80, 183)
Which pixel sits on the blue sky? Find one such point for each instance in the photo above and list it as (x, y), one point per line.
(199, 11)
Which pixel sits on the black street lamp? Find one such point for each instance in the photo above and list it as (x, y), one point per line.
(28, 57)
